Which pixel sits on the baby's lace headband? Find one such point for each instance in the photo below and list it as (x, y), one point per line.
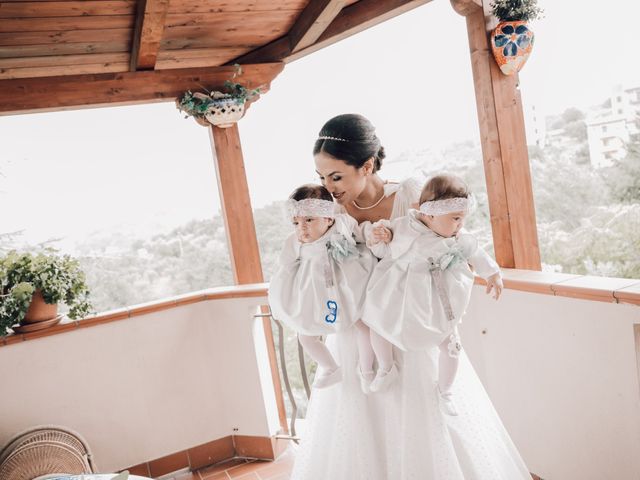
(448, 205)
(310, 207)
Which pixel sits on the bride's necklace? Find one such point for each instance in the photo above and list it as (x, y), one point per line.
(371, 206)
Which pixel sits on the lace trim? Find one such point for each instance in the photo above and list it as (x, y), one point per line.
(310, 207)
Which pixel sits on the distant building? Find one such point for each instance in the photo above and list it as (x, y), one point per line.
(612, 125)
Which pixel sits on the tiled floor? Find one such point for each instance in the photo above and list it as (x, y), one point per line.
(240, 469)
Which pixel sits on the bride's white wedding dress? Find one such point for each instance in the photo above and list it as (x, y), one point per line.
(401, 434)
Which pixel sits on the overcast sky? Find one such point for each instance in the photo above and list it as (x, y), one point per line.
(69, 173)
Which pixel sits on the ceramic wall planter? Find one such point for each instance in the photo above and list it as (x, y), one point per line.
(511, 43)
(225, 112)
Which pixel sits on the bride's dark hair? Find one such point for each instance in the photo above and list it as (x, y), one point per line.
(352, 139)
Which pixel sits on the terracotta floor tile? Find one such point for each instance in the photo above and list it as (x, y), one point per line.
(283, 476)
(187, 476)
(273, 470)
(221, 467)
(216, 476)
(249, 476)
(250, 466)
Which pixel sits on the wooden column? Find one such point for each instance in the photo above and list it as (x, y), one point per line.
(504, 147)
(241, 232)
(236, 205)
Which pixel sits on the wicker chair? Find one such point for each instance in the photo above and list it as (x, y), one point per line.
(45, 450)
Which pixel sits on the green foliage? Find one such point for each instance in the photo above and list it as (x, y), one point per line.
(623, 177)
(59, 278)
(513, 10)
(123, 270)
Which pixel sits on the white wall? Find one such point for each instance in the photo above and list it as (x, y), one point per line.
(562, 374)
(145, 387)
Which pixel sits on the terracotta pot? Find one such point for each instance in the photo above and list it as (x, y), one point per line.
(39, 310)
(511, 43)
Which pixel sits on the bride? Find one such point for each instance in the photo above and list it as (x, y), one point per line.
(399, 434)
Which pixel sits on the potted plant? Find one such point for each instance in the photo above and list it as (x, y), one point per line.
(512, 39)
(32, 285)
(222, 109)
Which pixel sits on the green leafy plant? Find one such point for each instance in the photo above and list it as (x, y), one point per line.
(59, 278)
(198, 104)
(513, 10)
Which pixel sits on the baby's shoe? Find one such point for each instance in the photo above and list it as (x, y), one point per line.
(327, 378)
(384, 379)
(446, 403)
(365, 379)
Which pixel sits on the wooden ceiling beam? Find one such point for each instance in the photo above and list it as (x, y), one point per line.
(313, 21)
(351, 20)
(29, 95)
(466, 7)
(150, 20)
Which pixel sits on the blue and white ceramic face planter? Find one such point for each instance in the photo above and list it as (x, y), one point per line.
(511, 42)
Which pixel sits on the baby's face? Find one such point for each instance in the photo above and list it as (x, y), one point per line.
(447, 225)
(310, 229)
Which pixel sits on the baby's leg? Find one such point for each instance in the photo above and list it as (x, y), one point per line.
(447, 370)
(387, 372)
(383, 350)
(447, 367)
(329, 372)
(365, 350)
(318, 351)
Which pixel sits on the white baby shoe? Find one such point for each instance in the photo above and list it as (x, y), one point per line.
(384, 379)
(365, 379)
(327, 378)
(446, 403)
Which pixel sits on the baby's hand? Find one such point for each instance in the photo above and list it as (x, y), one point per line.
(381, 234)
(494, 282)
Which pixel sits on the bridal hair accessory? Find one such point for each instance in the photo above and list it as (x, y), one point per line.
(448, 205)
(335, 139)
(310, 207)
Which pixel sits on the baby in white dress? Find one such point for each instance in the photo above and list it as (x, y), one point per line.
(419, 291)
(320, 284)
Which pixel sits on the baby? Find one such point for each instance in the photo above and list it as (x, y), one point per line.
(420, 289)
(319, 286)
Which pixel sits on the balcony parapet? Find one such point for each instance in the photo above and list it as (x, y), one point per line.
(586, 287)
(218, 293)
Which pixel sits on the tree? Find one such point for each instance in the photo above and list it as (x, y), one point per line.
(623, 177)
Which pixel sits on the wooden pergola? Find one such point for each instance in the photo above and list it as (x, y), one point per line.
(59, 55)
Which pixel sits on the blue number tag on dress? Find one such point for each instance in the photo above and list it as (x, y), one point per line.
(333, 312)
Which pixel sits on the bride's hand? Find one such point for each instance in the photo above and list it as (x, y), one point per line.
(494, 282)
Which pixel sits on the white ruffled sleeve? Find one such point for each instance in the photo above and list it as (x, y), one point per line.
(290, 251)
(483, 264)
(407, 195)
(347, 226)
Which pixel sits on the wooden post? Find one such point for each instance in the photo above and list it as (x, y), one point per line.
(241, 232)
(504, 149)
(236, 205)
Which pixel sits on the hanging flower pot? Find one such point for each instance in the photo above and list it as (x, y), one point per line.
(224, 112)
(221, 109)
(511, 43)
